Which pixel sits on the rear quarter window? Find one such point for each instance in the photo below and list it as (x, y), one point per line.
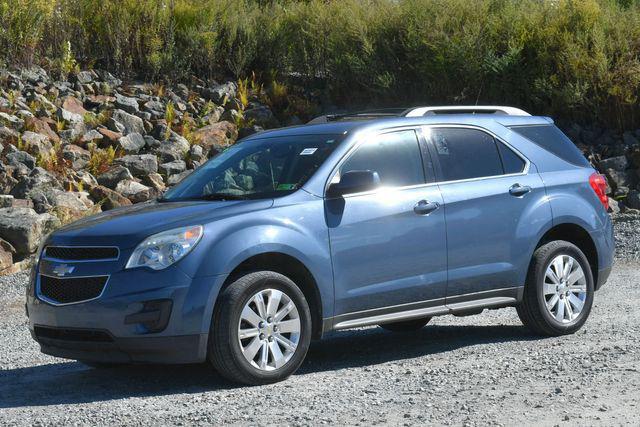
(553, 140)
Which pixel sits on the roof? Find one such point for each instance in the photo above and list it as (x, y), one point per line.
(346, 127)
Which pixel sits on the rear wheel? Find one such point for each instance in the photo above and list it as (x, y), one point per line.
(559, 291)
(261, 329)
(406, 325)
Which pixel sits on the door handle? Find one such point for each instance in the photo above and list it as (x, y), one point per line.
(425, 207)
(518, 190)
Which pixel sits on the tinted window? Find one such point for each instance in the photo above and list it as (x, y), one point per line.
(511, 162)
(552, 139)
(466, 153)
(395, 156)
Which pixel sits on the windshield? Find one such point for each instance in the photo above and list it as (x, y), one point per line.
(256, 169)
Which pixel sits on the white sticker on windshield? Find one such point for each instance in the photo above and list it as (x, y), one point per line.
(308, 151)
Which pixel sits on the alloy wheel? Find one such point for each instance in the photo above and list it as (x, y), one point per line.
(564, 288)
(269, 329)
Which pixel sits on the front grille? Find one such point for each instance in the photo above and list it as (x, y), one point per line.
(90, 335)
(79, 253)
(73, 289)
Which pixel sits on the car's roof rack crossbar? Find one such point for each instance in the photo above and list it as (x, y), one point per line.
(465, 109)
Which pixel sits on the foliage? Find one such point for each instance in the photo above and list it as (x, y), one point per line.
(573, 59)
(100, 160)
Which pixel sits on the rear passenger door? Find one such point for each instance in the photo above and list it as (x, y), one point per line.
(488, 189)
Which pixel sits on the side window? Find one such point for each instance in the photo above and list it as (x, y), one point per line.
(466, 153)
(395, 156)
(511, 162)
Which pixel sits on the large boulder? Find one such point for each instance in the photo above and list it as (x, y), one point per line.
(134, 191)
(220, 93)
(108, 199)
(129, 122)
(77, 156)
(39, 179)
(11, 121)
(36, 143)
(74, 105)
(261, 116)
(128, 104)
(132, 143)
(139, 164)
(216, 137)
(114, 175)
(172, 168)
(6, 255)
(21, 157)
(70, 205)
(41, 127)
(24, 228)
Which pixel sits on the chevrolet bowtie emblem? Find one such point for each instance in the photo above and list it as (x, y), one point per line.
(63, 269)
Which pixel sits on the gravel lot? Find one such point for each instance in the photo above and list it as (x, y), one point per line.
(477, 370)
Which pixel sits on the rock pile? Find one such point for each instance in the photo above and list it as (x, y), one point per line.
(75, 146)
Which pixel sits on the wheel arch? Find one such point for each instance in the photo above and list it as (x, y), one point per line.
(291, 267)
(579, 236)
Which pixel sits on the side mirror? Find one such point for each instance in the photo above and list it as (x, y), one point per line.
(354, 182)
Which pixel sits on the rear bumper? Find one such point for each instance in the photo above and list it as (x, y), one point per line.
(100, 346)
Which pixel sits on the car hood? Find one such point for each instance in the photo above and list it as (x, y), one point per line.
(126, 227)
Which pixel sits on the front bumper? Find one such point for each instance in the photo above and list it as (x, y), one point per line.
(119, 314)
(158, 349)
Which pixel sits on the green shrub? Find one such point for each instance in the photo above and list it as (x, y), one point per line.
(573, 59)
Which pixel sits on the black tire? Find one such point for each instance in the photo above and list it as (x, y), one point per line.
(406, 325)
(533, 310)
(225, 351)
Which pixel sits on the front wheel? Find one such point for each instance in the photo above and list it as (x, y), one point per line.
(559, 291)
(261, 329)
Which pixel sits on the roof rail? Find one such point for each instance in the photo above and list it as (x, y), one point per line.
(360, 115)
(465, 109)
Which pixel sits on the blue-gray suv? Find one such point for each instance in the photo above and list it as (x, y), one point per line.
(371, 219)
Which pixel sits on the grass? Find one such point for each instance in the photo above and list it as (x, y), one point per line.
(573, 59)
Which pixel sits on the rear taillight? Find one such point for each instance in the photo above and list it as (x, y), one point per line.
(599, 185)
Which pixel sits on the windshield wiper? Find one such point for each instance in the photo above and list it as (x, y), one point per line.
(220, 196)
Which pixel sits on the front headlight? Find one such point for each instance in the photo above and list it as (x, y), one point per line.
(163, 249)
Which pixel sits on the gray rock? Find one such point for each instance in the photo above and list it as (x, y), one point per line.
(140, 164)
(154, 106)
(132, 143)
(77, 156)
(174, 179)
(134, 191)
(114, 175)
(70, 118)
(84, 77)
(219, 93)
(11, 121)
(128, 104)
(39, 179)
(37, 143)
(24, 228)
(21, 157)
(129, 122)
(618, 163)
(196, 153)
(172, 168)
(633, 200)
(155, 181)
(261, 116)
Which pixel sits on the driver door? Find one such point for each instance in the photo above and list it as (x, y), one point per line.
(388, 253)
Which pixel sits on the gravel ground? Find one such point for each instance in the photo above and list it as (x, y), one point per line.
(476, 370)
